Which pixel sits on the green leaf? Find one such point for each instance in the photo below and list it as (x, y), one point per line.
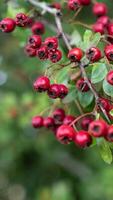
(105, 152)
(85, 98)
(75, 38)
(108, 89)
(99, 72)
(111, 112)
(87, 36)
(72, 95)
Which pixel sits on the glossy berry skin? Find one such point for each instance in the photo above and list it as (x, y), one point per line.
(29, 51)
(48, 122)
(109, 134)
(98, 28)
(105, 104)
(83, 139)
(85, 2)
(103, 20)
(93, 54)
(35, 41)
(55, 56)
(75, 55)
(63, 91)
(37, 122)
(110, 29)
(86, 122)
(68, 119)
(99, 9)
(65, 134)
(98, 128)
(21, 20)
(74, 4)
(82, 85)
(42, 84)
(56, 5)
(58, 115)
(109, 52)
(51, 43)
(38, 28)
(7, 25)
(54, 91)
(42, 53)
(109, 77)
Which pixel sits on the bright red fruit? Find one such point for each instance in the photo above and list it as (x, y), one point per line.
(51, 43)
(93, 54)
(35, 41)
(38, 28)
(83, 139)
(82, 85)
(109, 77)
(37, 122)
(63, 91)
(98, 128)
(54, 91)
(55, 56)
(68, 119)
(58, 115)
(75, 54)
(42, 84)
(30, 51)
(86, 122)
(98, 28)
(85, 2)
(109, 52)
(48, 122)
(99, 9)
(74, 4)
(7, 25)
(21, 19)
(109, 134)
(42, 53)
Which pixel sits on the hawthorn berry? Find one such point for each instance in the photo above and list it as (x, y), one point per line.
(63, 91)
(37, 122)
(109, 52)
(68, 119)
(98, 128)
(48, 122)
(30, 51)
(75, 55)
(93, 54)
(85, 2)
(7, 25)
(82, 85)
(86, 122)
(55, 56)
(109, 77)
(51, 43)
(74, 4)
(99, 9)
(65, 134)
(54, 91)
(83, 139)
(42, 84)
(105, 104)
(109, 134)
(103, 20)
(56, 5)
(38, 28)
(35, 41)
(58, 115)
(98, 28)
(110, 29)
(42, 53)
(21, 19)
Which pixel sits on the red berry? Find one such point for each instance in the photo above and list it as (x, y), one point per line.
(74, 4)
(21, 19)
(109, 77)
(35, 41)
(7, 25)
(83, 139)
(109, 52)
(85, 2)
(30, 51)
(37, 122)
(93, 54)
(54, 91)
(58, 115)
(99, 9)
(110, 29)
(42, 53)
(105, 104)
(65, 134)
(86, 122)
(82, 85)
(63, 91)
(42, 84)
(56, 5)
(103, 20)
(109, 134)
(51, 43)
(55, 56)
(38, 28)
(75, 54)
(48, 122)
(30, 22)
(98, 28)
(68, 119)
(98, 128)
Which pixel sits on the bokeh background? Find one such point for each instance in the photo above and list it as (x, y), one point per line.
(33, 165)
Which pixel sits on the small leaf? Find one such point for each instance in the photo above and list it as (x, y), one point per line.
(75, 38)
(87, 36)
(105, 152)
(108, 89)
(85, 98)
(111, 112)
(99, 72)
(72, 95)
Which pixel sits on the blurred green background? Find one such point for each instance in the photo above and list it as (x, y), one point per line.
(33, 165)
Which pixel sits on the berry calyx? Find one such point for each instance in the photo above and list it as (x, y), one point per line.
(21, 19)
(30, 51)
(109, 52)
(35, 41)
(75, 55)
(83, 139)
(54, 91)
(42, 84)
(48, 122)
(93, 54)
(109, 77)
(109, 134)
(99, 9)
(68, 119)
(7, 25)
(63, 91)
(58, 115)
(42, 53)
(82, 85)
(74, 4)
(86, 122)
(55, 56)
(51, 43)
(98, 128)
(37, 122)
(38, 28)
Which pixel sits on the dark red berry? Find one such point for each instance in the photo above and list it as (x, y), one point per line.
(103, 20)
(37, 122)
(35, 41)
(75, 54)
(7, 25)
(38, 28)
(109, 52)
(42, 53)
(110, 29)
(98, 128)
(63, 91)
(30, 51)
(68, 119)
(30, 22)
(82, 85)
(58, 115)
(21, 19)
(85, 2)
(83, 139)
(65, 134)
(56, 5)
(48, 122)
(104, 103)
(93, 54)
(55, 56)
(99, 9)
(109, 134)
(42, 84)
(51, 43)
(86, 122)
(109, 77)
(54, 91)
(98, 28)
(74, 4)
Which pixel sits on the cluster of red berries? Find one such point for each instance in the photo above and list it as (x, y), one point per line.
(42, 84)
(74, 5)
